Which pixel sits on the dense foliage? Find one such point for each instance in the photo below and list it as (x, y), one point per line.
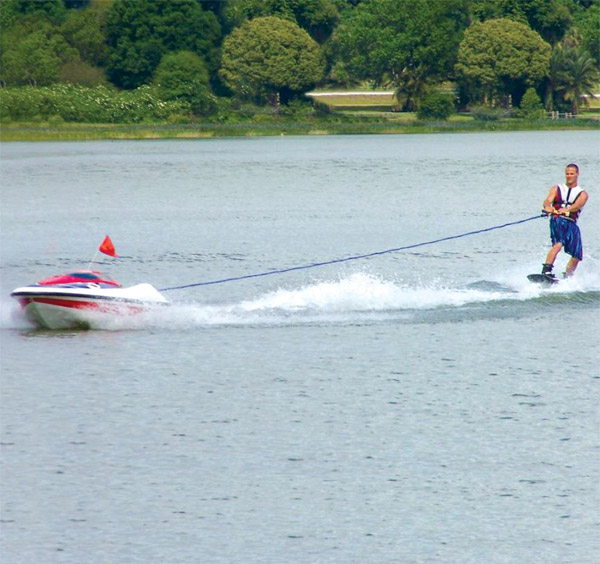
(100, 104)
(531, 105)
(183, 76)
(406, 44)
(270, 58)
(436, 105)
(501, 58)
(317, 17)
(200, 56)
(139, 33)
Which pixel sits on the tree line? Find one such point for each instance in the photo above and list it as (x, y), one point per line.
(197, 57)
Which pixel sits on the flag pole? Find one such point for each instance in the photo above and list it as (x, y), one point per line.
(93, 259)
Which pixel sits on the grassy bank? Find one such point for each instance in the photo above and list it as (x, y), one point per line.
(350, 123)
(69, 112)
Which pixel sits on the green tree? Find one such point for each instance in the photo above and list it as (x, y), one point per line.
(556, 77)
(8, 13)
(82, 29)
(270, 58)
(586, 23)
(140, 32)
(405, 43)
(531, 105)
(318, 17)
(33, 52)
(183, 76)
(436, 105)
(52, 10)
(573, 75)
(550, 18)
(579, 77)
(499, 59)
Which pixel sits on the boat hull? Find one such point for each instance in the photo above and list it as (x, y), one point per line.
(67, 308)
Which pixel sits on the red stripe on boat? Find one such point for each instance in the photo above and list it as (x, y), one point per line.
(78, 304)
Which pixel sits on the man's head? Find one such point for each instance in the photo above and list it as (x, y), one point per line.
(571, 174)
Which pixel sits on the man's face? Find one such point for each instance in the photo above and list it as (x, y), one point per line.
(571, 175)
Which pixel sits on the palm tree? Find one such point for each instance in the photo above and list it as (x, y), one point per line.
(578, 77)
(556, 76)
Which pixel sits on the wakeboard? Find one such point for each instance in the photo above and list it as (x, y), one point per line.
(542, 279)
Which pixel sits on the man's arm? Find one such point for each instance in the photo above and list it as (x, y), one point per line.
(548, 207)
(577, 204)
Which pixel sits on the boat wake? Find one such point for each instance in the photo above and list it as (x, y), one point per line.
(361, 299)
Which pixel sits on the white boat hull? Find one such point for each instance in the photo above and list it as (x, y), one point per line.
(66, 308)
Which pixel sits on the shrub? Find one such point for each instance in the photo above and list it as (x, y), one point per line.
(531, 105)
(183, 76)
(55, 121)
(297, 108)
(436, 105)
(321, 109)
(248, 110)
(224, 110)
(178, 119)
(76, 103)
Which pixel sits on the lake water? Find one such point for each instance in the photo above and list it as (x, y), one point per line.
(422, 406)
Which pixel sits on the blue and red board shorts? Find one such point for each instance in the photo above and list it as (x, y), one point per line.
(567, 232)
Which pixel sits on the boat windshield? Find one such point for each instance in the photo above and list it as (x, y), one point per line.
(91, 276)
(80, 276)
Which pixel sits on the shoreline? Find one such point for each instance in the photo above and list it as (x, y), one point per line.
(27, 131)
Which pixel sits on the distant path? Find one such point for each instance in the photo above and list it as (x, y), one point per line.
(357, 93)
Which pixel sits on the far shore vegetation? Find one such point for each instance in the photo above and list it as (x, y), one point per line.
(323, 113)
(346, 124)
(135, 69)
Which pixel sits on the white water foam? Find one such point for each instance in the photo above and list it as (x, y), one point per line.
(364, 292)
(11, 316)
(356, 298)
(587, 279)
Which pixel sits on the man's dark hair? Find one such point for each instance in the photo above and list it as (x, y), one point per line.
(573, 165)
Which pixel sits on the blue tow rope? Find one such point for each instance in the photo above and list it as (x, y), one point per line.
(347, 259)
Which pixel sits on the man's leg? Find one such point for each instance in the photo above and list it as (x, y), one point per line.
(553, 252)
(550, 258)
(571, 266)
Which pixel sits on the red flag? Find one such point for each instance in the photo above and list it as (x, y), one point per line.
(107, 247)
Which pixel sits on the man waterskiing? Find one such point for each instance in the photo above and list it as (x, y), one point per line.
(564, 203)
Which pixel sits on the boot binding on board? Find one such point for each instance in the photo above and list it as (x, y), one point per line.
(547, 272)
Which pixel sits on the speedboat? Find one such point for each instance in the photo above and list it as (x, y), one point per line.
(81, 299)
